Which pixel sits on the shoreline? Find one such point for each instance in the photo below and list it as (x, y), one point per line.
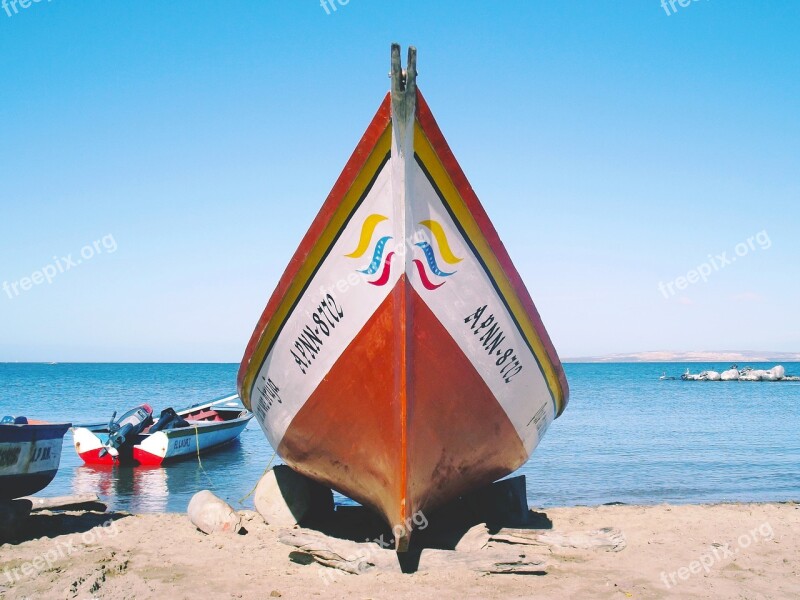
(673, 551)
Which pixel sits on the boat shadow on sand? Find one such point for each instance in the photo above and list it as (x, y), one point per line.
(48, 524)
(443, 529)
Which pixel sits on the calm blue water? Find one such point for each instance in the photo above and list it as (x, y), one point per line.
(625, 436)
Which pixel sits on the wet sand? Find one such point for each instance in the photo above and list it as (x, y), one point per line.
(696, 551)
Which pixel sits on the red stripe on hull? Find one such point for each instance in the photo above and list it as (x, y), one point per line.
(403, 422)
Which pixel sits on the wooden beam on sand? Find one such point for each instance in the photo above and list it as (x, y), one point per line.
(87, 502)
(360, 558)
(506, 551)
(608, 539)
(489, 561)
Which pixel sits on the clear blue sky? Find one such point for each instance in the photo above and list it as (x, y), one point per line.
(614, 147)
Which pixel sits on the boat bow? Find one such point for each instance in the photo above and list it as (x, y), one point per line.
(401, 360)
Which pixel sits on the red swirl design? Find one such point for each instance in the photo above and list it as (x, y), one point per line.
(387, 270)
(424, 277)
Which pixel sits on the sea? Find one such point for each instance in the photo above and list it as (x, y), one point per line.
(625, 437)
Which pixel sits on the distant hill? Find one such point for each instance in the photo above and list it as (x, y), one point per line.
(699, 356)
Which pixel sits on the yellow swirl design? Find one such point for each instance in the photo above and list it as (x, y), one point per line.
(441, 238)
(367, 229)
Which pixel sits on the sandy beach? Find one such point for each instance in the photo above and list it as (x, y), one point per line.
(696, 551)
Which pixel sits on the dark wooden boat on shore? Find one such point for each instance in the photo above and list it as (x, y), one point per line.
(30, 454)
(401, 360)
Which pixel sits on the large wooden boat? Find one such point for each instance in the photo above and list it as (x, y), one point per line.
(400, 360)
(30, 453)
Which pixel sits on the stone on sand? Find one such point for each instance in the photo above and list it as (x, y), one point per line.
(213, 515)
(286, 498)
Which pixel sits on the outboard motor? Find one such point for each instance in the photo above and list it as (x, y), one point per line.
(169, 419)
(131, 424)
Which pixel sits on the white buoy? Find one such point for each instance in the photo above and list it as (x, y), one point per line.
(213, 515)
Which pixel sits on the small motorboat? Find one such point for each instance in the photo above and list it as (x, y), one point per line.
(30, 453)
(191, 431)
(665, 377)
(174, 435)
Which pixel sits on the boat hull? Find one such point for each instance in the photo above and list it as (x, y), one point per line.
(400, 454)
(29, 457)
(92, 451)
(400, 360)
(165, 446)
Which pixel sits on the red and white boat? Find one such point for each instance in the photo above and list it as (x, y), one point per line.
(401, 360)
(174, 435)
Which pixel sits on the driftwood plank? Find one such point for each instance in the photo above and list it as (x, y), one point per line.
(476, 538)
(80, 502)
(608, 539)
(345, 555)
(359, 558)
(494, 560)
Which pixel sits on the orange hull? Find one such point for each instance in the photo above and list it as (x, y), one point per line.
(407, 439)
(405, 379)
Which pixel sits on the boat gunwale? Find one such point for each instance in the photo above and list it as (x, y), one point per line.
(202, 427)
(13, 433)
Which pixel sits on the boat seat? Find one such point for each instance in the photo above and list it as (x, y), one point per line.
(205, 415)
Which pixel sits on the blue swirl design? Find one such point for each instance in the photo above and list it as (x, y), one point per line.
(377, 256)
(426, 248)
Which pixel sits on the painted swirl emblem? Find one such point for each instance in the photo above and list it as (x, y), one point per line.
(378, 262)
(381, 262)
(440, 237)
